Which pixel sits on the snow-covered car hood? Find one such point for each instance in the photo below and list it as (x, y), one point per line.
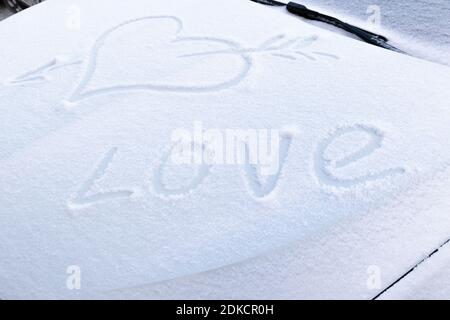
(90, 103)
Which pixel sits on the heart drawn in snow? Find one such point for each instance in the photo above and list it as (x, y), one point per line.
(133, 57)
(149, 54)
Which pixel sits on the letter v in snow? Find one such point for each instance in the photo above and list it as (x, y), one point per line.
(271, 170)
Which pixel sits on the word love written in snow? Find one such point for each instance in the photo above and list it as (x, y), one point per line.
(324, 169)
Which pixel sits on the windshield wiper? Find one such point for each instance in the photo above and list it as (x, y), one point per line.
(302, 11)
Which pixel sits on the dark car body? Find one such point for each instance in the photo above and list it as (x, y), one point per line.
(17, 5)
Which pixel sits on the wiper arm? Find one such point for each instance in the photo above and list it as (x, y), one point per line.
(302, 11)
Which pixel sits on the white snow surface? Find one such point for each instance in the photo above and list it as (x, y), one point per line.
(430, 280)
(87, 117)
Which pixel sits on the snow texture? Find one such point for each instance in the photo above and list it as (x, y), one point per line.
(419, 27)
(87, 117)
(430, 280)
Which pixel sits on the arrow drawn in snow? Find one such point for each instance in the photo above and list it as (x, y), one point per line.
(167, 47)
(41, 74)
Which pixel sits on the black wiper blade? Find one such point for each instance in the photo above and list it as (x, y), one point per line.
(270, 3)
(302, 11)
